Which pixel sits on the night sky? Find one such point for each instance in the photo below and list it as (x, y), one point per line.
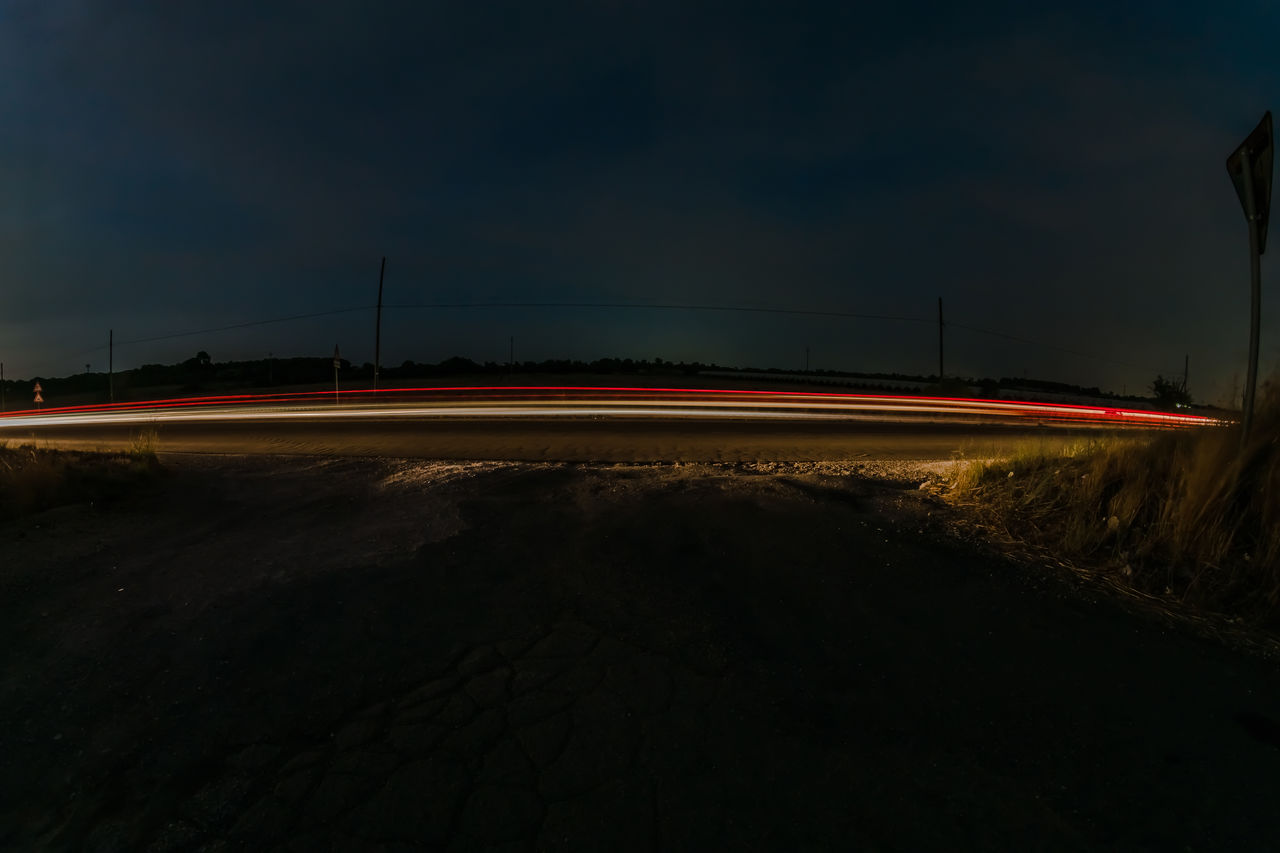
(1054, 174)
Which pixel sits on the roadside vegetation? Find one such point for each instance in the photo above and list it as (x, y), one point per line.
(37, 478)
(1188, 518)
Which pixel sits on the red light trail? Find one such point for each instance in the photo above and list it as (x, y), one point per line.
(543, 401)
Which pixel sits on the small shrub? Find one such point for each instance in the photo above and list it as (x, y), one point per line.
(34, 479)
(144, 444)
(1189, 515)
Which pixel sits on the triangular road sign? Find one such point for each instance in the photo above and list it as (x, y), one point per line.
(1255, 155)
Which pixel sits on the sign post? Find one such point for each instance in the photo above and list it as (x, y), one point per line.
(1250, 167)
(337, 362)
(37, 389)
(377, 329)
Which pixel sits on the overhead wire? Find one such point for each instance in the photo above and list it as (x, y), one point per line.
(1055, 347)
(667, 306)
(232, 326)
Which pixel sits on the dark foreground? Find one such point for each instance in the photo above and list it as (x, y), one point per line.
(314, 655)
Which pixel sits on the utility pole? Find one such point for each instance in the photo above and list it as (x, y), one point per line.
(939, 340)
(1186, 367)
(111, 363)
(1250, 169)
(377, 329)
(337, 362)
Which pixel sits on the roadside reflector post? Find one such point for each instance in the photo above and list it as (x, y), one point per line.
(337, 362)
(1250, 167)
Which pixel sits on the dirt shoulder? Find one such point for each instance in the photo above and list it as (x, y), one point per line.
(309, 653)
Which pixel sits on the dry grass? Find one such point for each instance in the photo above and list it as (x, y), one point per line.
(35, 478)
(1188, 516)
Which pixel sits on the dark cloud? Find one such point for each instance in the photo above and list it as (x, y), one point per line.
(1052, 173)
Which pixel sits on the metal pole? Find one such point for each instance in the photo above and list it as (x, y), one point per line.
(337, 361)
(1, 386)
(939, 340)
(1255, 275)
(377, 329)
(1186, 368)
(111, 355)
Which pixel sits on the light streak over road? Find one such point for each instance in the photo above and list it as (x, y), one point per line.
(538, 401)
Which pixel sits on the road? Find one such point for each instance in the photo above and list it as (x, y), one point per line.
(277, 653)
(556, 423)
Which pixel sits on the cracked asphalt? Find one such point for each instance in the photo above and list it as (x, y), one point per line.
(303, 654)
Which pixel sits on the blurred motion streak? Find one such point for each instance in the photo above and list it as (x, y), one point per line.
(538, 401)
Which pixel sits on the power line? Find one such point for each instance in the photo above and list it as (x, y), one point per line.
(233, 326)
(667, 306)
(1055, 347)
(791, 311)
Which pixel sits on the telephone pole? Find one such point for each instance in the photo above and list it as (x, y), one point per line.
(939, 340)
(377, 329)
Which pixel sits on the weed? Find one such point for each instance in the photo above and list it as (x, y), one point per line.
(144, 443)
(34, 478)
(1190, 515)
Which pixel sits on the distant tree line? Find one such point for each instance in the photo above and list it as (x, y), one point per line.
(201, 374)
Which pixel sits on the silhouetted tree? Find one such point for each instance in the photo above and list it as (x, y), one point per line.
(1170, 393)
(199, 361)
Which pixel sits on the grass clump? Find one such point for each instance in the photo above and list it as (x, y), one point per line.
(35, 478)
(1188, 515)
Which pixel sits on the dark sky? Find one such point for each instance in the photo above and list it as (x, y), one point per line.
(1054, 174)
